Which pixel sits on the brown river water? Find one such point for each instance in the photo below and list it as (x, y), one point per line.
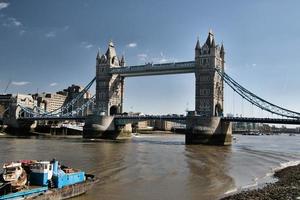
(162, 166)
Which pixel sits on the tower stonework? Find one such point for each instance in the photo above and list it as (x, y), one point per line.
(109, 99)
(109, 88)
(209, 98)
(205, 125)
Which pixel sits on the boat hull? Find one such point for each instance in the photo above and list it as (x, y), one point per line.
(66, 192)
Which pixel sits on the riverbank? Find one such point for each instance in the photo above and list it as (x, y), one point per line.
(287, 187)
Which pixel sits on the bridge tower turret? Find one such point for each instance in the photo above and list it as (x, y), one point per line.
(109, 88)
(209, 84)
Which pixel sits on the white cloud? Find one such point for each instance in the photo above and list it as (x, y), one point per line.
(50, 34)
(22, 32)
(253, 65)
(142, 56)
(65, 28)
(11, 21)
(15, 21)
(57, 30)
(3, 5)
(86, 45)
(20, 83)
(53, 84)
(163, 60)
(131, 45)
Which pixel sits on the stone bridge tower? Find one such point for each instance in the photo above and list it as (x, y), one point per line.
(205, 125)
(209, 98)
(109, 88)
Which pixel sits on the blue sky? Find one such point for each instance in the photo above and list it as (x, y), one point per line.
(48, 45)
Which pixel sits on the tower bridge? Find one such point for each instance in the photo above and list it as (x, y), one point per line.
(111, 72)
(206, 124)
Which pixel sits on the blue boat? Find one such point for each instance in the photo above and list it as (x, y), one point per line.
(30, 179)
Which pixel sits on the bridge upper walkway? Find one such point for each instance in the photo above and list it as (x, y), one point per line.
(155, 69)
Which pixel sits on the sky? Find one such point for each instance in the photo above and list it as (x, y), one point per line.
(45, 46)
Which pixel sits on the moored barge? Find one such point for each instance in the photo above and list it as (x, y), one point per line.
(42, 180)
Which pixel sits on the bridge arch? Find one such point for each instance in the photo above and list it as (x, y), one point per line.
(218, 110)
(114, 110)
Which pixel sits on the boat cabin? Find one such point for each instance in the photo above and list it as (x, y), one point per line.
(41, 173)
(12, 171)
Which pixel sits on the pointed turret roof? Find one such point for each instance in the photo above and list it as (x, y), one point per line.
(198, 44)
(122, 61)
(222, 48)
(222, 51)
(213, 44)
(98, 54)
(210, 39)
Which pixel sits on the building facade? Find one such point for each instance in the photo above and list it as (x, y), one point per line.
(49, 101)
(10, 109)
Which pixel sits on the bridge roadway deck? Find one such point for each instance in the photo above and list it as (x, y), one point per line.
(262, 120)
(128, 119)
(155, 69)
(53, 118)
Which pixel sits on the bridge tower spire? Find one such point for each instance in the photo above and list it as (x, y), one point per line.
(109, 88)
(197, 49)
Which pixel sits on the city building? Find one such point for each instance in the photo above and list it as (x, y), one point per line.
(49, 101)
(72, 92)
(10, 104)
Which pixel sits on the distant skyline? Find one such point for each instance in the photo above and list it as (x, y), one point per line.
(46, 46)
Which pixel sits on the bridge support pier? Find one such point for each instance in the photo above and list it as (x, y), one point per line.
(20, 127)
(208, 130)
(103, 127)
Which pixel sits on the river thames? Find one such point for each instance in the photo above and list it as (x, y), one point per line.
(162, 166)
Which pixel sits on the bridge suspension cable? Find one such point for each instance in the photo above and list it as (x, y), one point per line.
(74, 100)
(255, 100)
(62, 111)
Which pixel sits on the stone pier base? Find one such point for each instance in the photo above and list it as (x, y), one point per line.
(20, 127)
(103, 127)
(204, 130)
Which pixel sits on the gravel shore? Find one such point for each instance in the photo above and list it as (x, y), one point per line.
(286, 188)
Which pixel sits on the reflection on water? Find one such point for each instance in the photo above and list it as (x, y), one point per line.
(161, 167)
